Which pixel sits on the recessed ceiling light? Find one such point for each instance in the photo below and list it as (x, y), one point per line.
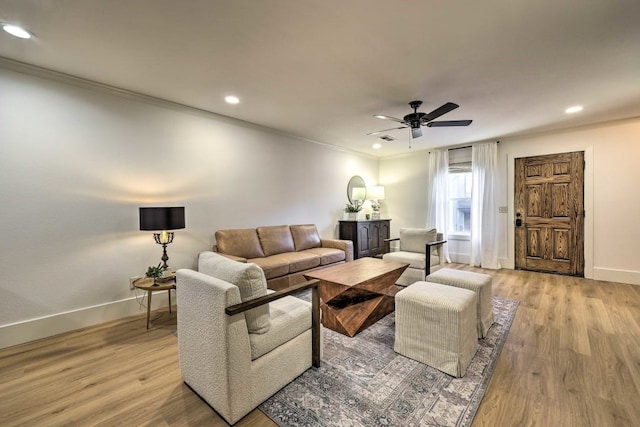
(16, 31)
(574, 109)
(377, 146)
(232, 99)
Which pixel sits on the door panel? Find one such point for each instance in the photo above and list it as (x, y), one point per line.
(364, 239)
(549, 206)
(534, 247)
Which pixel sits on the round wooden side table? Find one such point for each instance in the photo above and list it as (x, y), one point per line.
(146, 284)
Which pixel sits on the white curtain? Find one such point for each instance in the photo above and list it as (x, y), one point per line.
(484, 212)
(437, 195)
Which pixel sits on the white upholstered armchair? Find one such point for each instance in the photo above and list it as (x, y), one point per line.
(421, 249)
(238, 344)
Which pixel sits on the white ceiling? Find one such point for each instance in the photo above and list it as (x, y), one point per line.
(320, 69)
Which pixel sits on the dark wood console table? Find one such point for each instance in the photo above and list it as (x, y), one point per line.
(367, 236)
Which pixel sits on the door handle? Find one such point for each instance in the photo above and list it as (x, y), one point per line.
(518, 220)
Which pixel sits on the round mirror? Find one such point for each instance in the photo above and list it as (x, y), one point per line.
(356, 189)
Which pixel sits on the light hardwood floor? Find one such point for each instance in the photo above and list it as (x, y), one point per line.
(572, 358)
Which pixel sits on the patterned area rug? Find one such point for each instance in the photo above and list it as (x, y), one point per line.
(363, 382)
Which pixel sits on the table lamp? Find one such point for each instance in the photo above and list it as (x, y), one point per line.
(375, 194)
(159, 220)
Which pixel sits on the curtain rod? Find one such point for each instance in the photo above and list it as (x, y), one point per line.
(466, 146)
(460, 148)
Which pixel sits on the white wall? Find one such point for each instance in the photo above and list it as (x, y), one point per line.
(78, 161)
(611, 201)
(405, 186)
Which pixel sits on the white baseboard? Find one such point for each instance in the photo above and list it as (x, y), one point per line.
(599, 273)
(613, 275)
(505, 263)
(43, 327)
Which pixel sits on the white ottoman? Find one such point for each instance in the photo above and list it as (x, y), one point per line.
(477, 282)
(436, 325)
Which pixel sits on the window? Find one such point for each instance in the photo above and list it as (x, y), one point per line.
(459, 209)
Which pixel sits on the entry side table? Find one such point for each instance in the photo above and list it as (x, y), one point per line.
(146, 284)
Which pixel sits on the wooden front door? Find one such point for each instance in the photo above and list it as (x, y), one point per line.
(549, 208)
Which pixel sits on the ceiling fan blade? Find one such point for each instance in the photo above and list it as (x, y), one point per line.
(444, 123)
(386, 130)
(443, 109)
(416, 133)
(383, 117)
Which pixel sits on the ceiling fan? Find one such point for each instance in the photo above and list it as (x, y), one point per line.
(415, 120)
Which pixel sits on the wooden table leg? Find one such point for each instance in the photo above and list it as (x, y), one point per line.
(315, 327)
(149, 293)
(169, 293)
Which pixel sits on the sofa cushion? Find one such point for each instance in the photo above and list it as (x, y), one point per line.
(290, 317)
(305, 236)
(327, 255)
(275, 239)
(415, 239)
(414, 259)
(241, 242)
(250, 280)
(273, 266)
(299, 261)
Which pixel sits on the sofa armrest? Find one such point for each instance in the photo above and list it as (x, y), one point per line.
(387, 244)
(428, 248)
(345, 245)
(437, 243)
(315, 311)
(233, 257)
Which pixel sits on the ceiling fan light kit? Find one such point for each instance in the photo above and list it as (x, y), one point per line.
(416, 120)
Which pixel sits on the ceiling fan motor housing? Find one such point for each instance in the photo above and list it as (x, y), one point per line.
(414, 119)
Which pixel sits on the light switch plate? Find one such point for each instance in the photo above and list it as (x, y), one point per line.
(503, 209)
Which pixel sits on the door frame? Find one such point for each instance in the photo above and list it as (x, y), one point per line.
(510, 262)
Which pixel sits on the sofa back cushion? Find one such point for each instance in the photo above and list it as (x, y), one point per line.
(250, 280)
(275, 239)
(241, 242)
(305, 236)
(415, 239)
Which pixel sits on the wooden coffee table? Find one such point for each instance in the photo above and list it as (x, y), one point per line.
(357, 294)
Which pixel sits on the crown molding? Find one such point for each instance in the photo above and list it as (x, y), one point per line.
(57, 76)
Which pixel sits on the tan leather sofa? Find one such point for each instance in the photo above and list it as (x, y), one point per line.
(284, 252)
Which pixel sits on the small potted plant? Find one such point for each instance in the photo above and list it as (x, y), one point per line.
(155, 272)
(352, 210)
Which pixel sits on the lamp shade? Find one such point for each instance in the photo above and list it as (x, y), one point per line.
(161, 218)
(375, 193)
